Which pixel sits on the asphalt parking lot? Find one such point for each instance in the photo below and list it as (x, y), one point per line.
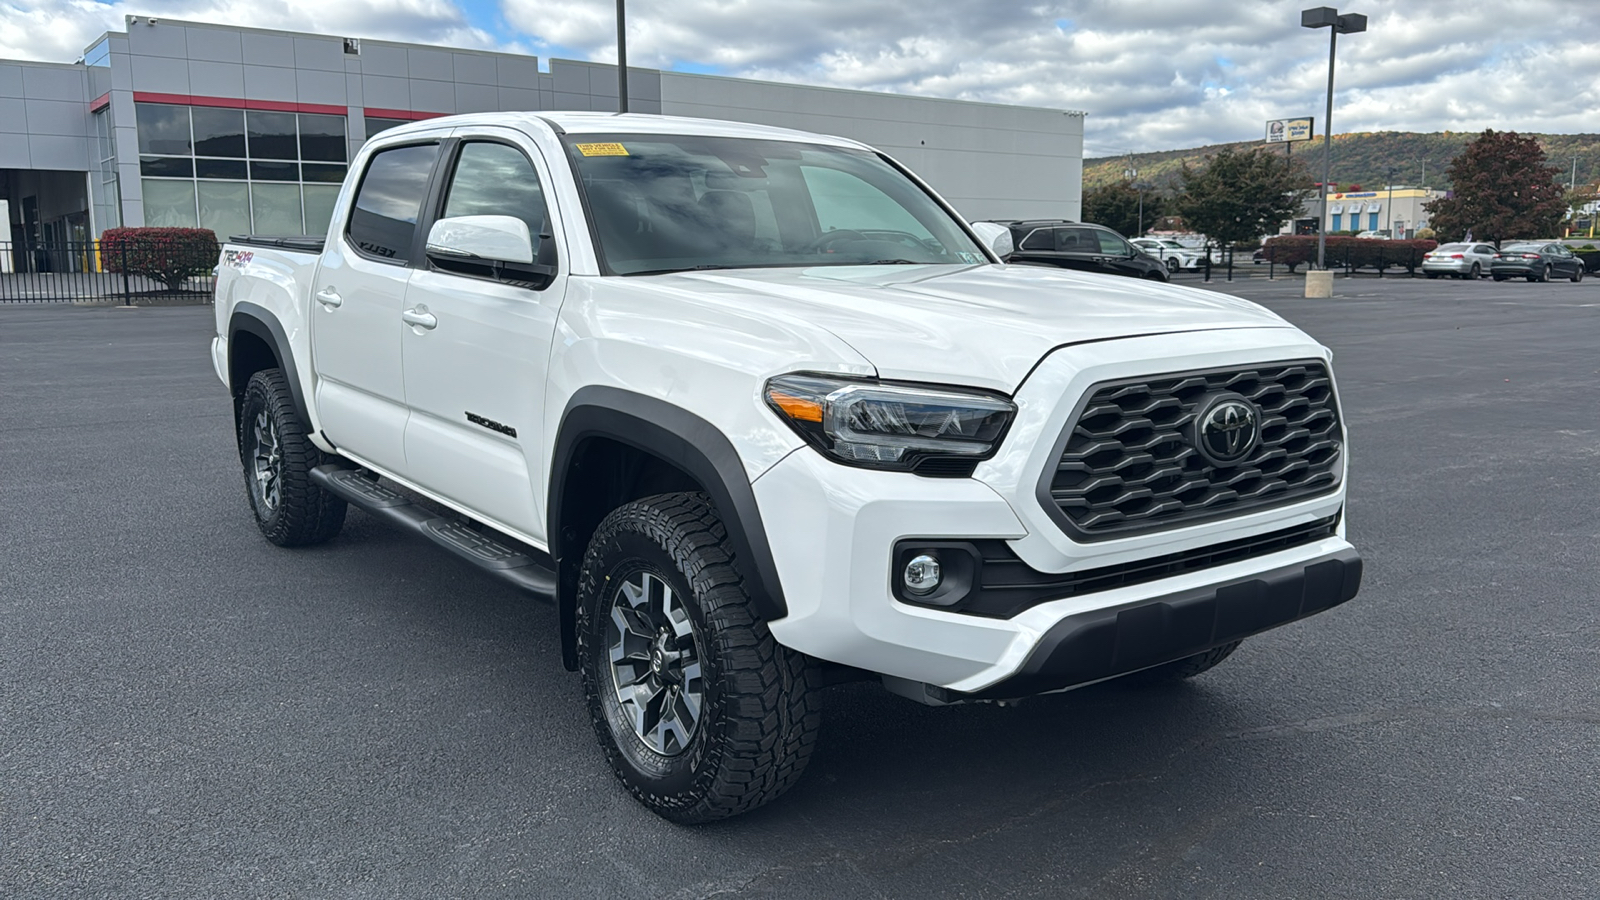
(187, 711)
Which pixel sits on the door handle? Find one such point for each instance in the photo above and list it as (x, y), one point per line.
(329, 297)
(420, 317)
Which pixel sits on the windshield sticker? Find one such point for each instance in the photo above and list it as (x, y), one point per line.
(602, 149)
(971, 257)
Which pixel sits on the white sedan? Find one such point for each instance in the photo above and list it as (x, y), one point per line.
(1175, 255)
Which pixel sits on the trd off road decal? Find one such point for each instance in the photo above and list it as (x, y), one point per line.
(238, 259)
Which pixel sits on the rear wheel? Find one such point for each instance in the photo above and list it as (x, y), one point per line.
(701, 713)
(290, 509)
(1181, 669)
(1499, 277)
(1432, 275)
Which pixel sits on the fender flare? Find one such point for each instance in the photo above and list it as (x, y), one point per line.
(683, 440)
(257, 320)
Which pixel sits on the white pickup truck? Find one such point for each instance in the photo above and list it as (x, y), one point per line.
(759, 412)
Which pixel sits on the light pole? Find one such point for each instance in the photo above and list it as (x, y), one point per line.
(1388, 223)
(622, 59)
(1132, 174)
(1350, 23)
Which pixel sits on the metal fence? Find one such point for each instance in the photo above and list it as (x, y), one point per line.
(87, 272)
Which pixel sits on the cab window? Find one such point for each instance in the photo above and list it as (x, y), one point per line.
(383, 223)
(493, 179)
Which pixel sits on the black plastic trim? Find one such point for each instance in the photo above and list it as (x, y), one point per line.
(298, 243)
(1105, 643)
(257, 320)
(683, 440)
(1006, 586)
(1046, 501)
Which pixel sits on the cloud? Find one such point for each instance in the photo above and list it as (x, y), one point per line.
(1151, 75)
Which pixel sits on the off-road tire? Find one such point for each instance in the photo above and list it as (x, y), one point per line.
(1180, 669)
(759, 715)
(304, 513)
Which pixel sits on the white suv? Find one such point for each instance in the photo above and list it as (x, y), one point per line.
(757, 411)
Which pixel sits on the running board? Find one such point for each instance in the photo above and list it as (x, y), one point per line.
(489, 553)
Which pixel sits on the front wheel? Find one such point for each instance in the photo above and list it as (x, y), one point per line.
(291, 510)
(1172, 265)
(1477, 272)
(1578, 275)
(701, 713)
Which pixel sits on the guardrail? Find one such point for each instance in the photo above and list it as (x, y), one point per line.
(87, 272)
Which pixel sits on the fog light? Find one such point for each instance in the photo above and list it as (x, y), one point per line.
(922, 574)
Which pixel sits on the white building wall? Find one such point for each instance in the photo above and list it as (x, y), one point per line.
(992, 161)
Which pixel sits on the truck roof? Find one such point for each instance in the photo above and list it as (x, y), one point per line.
(635, 123)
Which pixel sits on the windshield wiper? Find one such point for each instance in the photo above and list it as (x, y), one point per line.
(699, 268)
(893, 262)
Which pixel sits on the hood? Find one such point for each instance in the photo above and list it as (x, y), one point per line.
(984, 326)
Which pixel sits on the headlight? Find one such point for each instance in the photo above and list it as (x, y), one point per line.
(932, 430)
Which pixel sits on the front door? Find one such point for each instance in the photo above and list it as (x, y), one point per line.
(475, 372)
(356, 302)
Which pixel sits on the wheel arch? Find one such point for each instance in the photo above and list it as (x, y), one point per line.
(615, 446)
(257, 341)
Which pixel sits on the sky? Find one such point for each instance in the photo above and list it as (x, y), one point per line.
(1150, 74)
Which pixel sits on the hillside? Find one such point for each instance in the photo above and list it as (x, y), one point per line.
(1358, 158)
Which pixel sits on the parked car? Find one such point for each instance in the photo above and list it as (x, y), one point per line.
(756, 411)
(1460, 260)
(1171, 253)
(1381, 234)
(1536, 261)
(1079, 245)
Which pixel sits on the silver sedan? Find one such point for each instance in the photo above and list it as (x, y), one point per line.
(1460, 260)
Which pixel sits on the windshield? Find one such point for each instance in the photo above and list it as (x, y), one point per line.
(664, 203)
(1174, 245)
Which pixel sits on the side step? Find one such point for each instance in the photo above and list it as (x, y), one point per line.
(489, 553)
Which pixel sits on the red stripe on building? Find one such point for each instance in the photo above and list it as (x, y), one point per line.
(237, 103)
(100, 102)
(409, 115)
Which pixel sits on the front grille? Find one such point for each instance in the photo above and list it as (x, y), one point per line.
(1128, 464)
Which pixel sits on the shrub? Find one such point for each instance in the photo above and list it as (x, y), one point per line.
(1426, 234)
(167, 255)
(1356, 253)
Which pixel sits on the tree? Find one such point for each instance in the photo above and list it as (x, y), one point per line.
(1503, 190)
(167, 255)
(1242, 195)
(1116, 206)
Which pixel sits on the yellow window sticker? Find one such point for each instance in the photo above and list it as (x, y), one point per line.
(602, 149)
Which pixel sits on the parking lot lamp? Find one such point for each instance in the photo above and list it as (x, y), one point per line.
(1350, 23)
(622, 58)
(1388, 222)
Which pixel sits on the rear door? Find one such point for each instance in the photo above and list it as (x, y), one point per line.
(475, 378)
(356, 302)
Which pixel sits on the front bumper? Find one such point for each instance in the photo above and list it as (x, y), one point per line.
(833, 530)
(1105, 643)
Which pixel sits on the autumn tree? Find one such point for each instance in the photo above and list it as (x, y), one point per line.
(1503, 190)
(1117, 206)
(1242, 195)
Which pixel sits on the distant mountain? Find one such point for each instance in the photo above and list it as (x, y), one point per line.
(1358, 158)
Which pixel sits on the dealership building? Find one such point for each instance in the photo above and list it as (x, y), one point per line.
(243, 130)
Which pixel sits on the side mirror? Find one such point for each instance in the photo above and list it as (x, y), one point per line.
(997, 237)
(487, 238)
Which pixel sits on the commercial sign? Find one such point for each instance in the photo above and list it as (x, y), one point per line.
(1280, 131)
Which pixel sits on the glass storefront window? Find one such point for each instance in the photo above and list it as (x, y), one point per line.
(225, 207)
(164, 129)
(320, 199)
(376, 124)
(276, 208)
(322, 137)
(169, 204)
(272, 135)
(237, 171)
(218, 132)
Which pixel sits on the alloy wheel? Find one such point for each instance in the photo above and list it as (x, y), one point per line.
(655, 662)
(266, 454)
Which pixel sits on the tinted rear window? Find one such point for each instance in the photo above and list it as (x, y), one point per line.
(384, 221)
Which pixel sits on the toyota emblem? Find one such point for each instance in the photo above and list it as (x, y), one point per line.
(1228, 430)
